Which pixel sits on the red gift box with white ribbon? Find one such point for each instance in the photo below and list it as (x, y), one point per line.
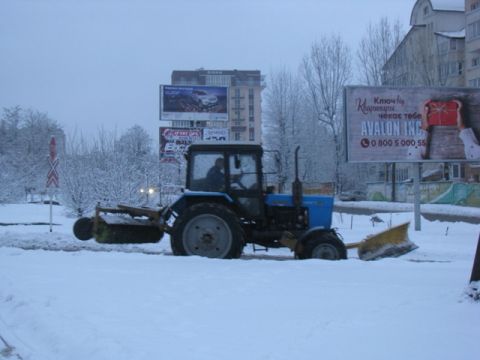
(442, 113)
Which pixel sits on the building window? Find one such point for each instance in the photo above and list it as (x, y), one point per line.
(443, 70)
(251, 134)
(475, 61)
(251, 119)
(183, 123)
(451, 68)
(443, 48)
(426, 10)
(250, 110)
(237, 93)
(250, 95)
(474, 83)
(458, 171)
(453, 44)
(473, 30)
(218, 80)
(236, 136)
(474, 5)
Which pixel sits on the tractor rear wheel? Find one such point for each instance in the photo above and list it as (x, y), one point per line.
(208, 229)
(83, 228)
(326, 246)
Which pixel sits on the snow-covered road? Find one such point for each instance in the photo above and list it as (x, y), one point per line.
(139, 302)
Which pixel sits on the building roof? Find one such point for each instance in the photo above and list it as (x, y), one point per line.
(437, 5)
(452, 34)
(448, 5)
(238, 77)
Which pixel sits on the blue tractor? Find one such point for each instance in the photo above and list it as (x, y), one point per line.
(225, 206)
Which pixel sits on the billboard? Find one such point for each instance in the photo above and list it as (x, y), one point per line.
(400, 124)
(194, 103)
(174, 141)
(215, 134)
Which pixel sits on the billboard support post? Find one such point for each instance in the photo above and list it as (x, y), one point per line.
(416, 191)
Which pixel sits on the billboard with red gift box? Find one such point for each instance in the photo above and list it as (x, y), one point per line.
(400, 124)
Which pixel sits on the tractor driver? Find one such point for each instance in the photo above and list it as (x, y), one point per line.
(216, 177)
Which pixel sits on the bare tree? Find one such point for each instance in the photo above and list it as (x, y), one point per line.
(77, 175)
(283, 112)
(326, 70)
(109, 170)
(135, 142)
(416, 61)
(376, 46)
(24, 139)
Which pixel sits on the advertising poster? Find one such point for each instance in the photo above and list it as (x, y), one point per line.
(215, 134)
(174, 141)
(193, 103)
(388, 124)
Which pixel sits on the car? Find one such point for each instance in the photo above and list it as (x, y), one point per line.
(353, 195)
(204, 99)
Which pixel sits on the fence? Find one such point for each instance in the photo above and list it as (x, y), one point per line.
(435, 192)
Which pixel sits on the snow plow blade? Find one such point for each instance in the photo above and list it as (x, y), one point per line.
(392, 242)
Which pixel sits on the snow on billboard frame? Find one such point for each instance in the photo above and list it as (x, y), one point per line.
(384, 124)
(193, 103)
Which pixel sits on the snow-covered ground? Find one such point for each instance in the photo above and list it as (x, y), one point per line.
(61, 298)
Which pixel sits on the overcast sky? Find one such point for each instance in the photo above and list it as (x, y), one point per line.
(92, 64)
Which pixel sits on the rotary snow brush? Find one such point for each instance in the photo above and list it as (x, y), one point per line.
(392, 242)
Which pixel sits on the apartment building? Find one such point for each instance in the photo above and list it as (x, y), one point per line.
(472, 42)
(244, 100)
(433, 52)
(442, 48)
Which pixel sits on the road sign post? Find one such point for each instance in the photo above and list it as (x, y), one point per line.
(52, 176)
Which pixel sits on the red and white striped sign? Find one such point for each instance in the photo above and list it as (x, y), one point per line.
(52, 177)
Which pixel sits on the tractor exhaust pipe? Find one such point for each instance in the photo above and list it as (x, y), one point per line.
(297, 188)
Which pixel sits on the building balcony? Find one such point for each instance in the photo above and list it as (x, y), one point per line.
(239, 128)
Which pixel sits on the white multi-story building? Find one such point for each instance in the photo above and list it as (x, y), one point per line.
(433, 53)
(244, 103)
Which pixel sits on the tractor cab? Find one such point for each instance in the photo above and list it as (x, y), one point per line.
(233, 170)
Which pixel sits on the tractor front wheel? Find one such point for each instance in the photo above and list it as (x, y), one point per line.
(324, 246)
(209, 230)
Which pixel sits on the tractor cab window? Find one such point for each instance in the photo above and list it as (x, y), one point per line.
(244, 183)
(243, 172)
(207, 172)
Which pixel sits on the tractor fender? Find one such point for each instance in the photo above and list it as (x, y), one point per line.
(314, 232)
(318, 230)
(190, 198)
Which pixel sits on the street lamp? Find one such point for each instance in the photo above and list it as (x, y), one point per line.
(149, 191)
